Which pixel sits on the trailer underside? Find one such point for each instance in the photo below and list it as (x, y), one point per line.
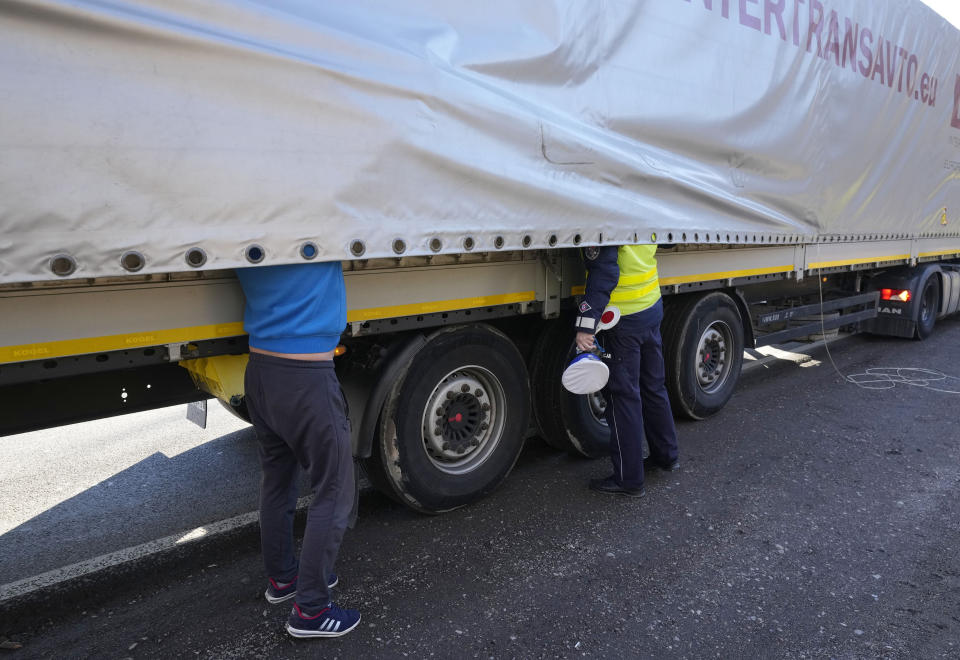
(110, 347)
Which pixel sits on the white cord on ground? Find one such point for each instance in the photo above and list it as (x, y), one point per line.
(885, 378)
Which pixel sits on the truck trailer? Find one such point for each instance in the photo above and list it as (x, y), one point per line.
(797, 163)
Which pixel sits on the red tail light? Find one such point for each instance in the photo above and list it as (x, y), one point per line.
(898, 295)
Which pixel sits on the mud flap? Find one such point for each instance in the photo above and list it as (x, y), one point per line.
(197, 413)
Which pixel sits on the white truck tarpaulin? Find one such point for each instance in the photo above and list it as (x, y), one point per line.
(162, 128)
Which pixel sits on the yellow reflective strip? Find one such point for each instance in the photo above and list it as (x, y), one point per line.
(704, 277)
(851, 262)
(624, 281)
(642, 278)
(637, 294)
(373, 313)
(55, 349)
(939, 253)
(723, 275)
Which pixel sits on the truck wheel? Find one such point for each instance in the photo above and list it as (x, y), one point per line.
(929, 306)
(703, 351)
(453, 425)
(568, 422)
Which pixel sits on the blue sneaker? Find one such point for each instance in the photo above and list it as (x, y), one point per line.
(277, 594)
(331, 621)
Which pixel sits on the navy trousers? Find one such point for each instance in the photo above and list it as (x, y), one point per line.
(637, 402)
(300, 416)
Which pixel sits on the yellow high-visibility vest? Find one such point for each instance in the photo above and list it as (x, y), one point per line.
(638, 287)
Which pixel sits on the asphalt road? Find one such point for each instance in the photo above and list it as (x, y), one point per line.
(812, 518)
(106, 485)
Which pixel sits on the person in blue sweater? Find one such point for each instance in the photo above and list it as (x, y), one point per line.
(294, 315)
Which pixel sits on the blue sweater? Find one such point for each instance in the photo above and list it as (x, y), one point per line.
(300, 308)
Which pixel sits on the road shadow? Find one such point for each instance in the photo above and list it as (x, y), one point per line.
(158, 496)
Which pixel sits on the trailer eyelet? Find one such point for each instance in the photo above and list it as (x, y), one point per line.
(254, 253)
(63, 265)
(196, 257)
(309, 250)
(132, 261)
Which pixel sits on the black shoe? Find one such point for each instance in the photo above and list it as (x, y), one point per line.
(649, 465)
(610, 486)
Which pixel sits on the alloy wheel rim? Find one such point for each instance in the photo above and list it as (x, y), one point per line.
(463, 419)
(713, 356)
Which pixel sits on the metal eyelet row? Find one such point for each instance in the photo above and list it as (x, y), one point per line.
(64, 264)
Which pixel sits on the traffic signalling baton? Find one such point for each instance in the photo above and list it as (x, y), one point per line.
(609, 318)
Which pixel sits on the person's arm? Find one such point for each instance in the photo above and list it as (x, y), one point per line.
(603, 273)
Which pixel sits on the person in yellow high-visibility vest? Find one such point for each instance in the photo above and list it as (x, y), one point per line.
(637, 403)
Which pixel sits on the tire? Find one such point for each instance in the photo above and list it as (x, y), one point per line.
(453, 424)
(703, 351)
(568, 422)
(375, 472)
(928, 306)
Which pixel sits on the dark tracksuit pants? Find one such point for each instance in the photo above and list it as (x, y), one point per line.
(300, 416)
(637, 402)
